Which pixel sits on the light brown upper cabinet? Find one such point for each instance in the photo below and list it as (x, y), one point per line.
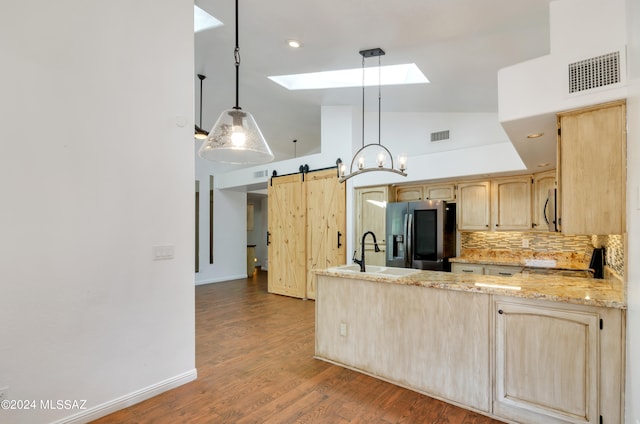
(540, 213)
(592, 169)
(511, 203)
(409, 193)
(307, 230)
(474, 205)
(440, 192)
(370, 214)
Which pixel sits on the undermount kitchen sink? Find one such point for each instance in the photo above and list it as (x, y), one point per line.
(388, 271)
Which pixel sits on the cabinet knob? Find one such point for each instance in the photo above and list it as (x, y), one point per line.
(500, 311)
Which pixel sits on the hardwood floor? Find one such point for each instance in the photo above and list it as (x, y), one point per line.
(254, 355)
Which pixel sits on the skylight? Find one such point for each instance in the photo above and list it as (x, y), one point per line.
(202, 20)
(389, 75)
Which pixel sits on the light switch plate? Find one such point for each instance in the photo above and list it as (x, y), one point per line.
(343, 329)
(162, 252)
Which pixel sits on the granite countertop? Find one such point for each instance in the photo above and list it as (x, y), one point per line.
(607, 292)
(552, 260)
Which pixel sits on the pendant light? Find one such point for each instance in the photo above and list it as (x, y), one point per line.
(236, 138)
(200, 133)
(377, 153)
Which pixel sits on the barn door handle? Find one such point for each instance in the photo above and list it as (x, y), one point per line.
(268, 238)
(339, 235)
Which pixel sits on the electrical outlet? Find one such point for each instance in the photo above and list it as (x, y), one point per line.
(3, 393)
(343, 329)
(525, 242)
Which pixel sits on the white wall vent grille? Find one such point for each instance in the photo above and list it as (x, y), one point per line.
(594, 72)
(440, 136)
(260, 174)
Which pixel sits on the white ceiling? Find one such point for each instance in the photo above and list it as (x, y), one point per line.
(458, 44)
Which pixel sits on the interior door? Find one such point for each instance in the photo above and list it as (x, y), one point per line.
(286, 236)
(326, 224)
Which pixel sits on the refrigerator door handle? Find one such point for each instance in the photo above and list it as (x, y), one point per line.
(409, 238)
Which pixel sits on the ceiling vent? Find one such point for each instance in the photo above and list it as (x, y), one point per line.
(439, 136)
(260, 174)
(595, 72)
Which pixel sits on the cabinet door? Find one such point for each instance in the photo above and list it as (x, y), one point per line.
(459, 268)
(546, 363)
(542, 183)
(473, 206)
(592, 172)
(286, 222)
(440, 192)
(511, 203)
(326, 224)
(370, 214)
(409, 193)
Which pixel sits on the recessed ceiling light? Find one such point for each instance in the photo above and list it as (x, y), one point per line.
(535, 135)
(294, 44)
(389, 75)
(542, 165)
(202, 20)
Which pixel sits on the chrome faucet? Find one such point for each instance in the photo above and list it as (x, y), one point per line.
(375, 248)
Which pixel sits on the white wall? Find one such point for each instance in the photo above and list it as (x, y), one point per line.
(229, 228)
(96, 168)
(580, 29)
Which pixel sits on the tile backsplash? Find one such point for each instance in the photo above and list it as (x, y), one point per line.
(539, 242)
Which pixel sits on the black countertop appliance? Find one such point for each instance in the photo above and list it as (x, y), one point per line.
(597, 262)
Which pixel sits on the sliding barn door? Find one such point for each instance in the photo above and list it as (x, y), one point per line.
(286, 227)
(326, 224)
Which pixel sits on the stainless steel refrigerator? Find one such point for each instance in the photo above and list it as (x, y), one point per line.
(421, 235)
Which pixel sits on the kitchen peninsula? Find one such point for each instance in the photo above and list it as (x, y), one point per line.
(526, 349)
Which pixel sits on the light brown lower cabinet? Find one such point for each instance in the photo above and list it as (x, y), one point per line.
(520, 360)
(555, 364)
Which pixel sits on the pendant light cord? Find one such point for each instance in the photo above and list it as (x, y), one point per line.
(201, 79)
(363, 101)
(379, 98)
(236, 55)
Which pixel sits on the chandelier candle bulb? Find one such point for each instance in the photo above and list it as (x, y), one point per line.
(402, 159)
(380, 160)
(360, 162)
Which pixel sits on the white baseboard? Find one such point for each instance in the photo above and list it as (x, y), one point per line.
(128, 400)
(221, 279)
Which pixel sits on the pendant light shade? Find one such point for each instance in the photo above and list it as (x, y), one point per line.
(235, 138)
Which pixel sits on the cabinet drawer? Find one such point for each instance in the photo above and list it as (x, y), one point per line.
(502, 270)
(457, 268)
